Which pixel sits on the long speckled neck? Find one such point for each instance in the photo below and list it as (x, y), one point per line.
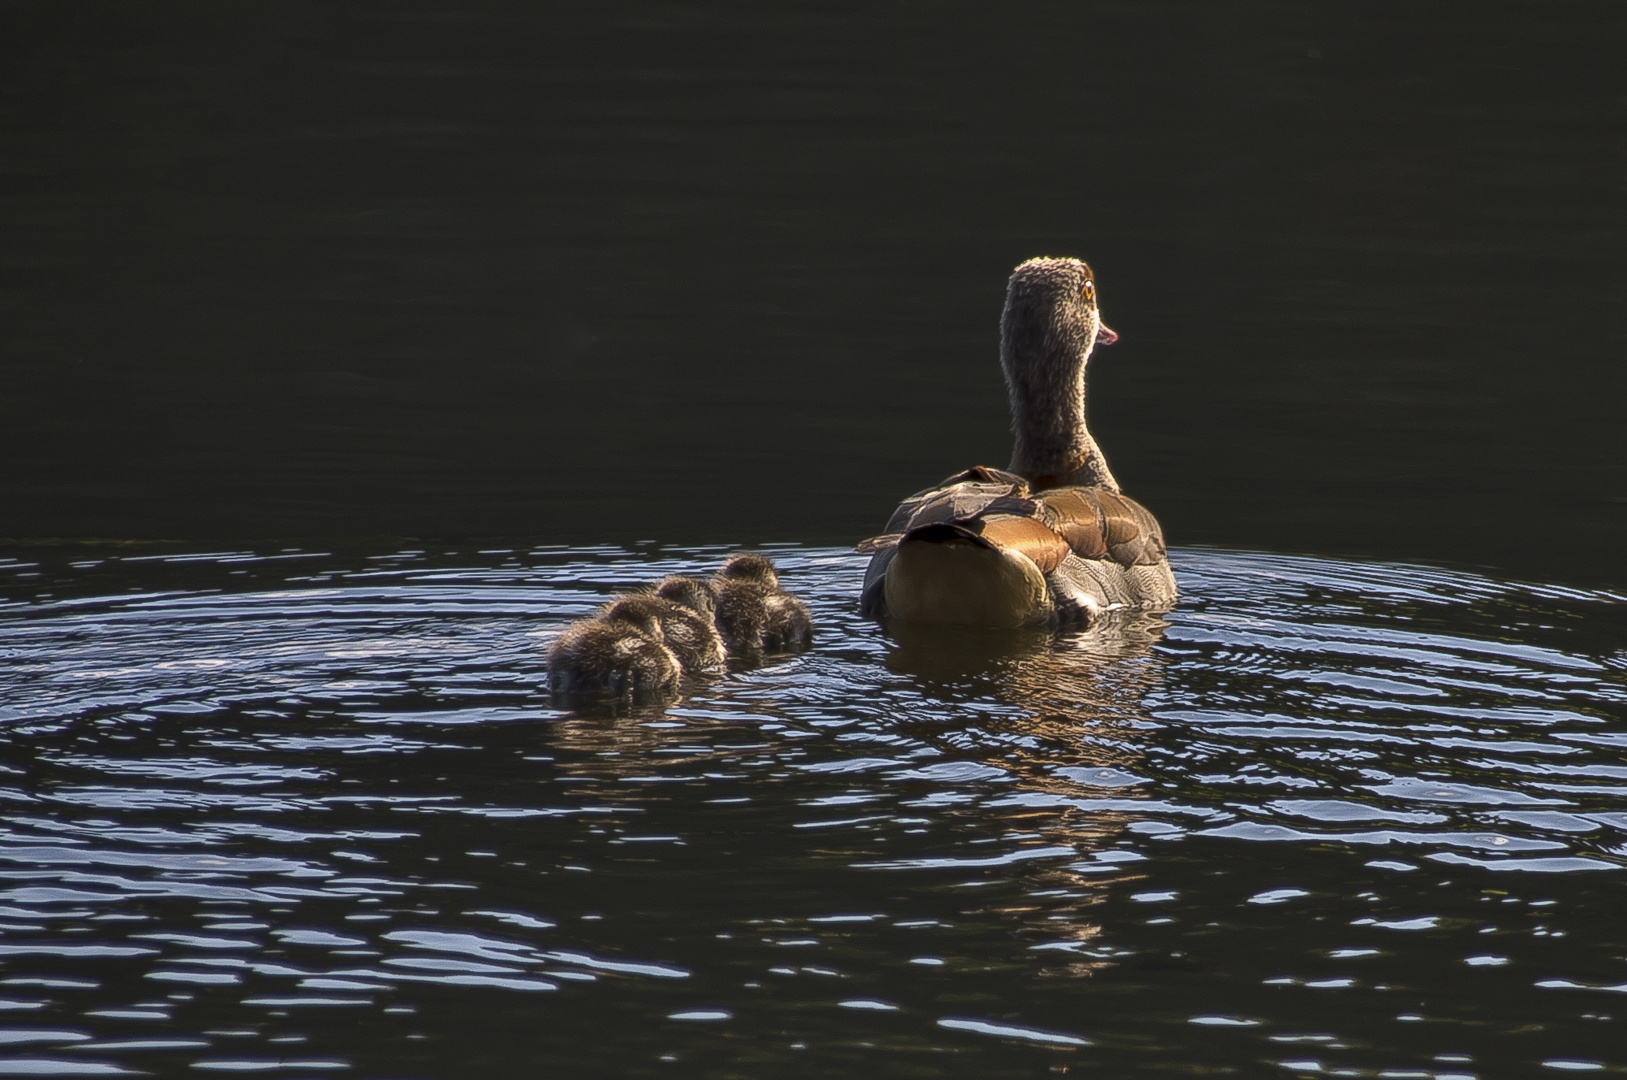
(1046, 336)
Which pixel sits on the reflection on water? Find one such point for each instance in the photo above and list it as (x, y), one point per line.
(305, 812)
(1079, 697)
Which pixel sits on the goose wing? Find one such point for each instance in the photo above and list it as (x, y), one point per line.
(1082, 539)
(954, 497)
(1090, 523)
(1101, 524)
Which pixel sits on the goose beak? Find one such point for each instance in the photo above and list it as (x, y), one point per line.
(1104, 336)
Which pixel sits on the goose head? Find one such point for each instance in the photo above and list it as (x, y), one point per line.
(1052, 321)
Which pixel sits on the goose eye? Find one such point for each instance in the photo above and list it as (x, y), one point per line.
(1090, 290)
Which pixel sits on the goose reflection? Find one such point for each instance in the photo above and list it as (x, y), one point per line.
(1079, 694)
(1071, 749)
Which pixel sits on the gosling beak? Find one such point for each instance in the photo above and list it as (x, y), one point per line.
(1104, 336)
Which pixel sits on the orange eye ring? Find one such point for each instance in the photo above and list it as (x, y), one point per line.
(1090, 290)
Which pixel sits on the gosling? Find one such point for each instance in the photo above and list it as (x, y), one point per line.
(620, 656)
(693, 593)
(756, 616)
(688, 634)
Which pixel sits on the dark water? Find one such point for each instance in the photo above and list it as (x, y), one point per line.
(729, 272)
(305, 812)
(347, 352)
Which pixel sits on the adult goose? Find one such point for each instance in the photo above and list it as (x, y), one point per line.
(1050, 540)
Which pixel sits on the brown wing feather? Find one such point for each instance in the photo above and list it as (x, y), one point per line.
(982, 474)
(977, 475)
(983, 503)
(1102, 524)
(965, 501)
(1155, 551)
(1027, 535)
(1078, 519)
(1133, 537)
(885, 542)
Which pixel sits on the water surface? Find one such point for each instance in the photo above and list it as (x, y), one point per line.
(311, 813)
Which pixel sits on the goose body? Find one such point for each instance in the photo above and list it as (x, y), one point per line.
(1049, 540)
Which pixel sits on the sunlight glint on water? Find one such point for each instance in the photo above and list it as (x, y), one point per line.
(313, 812)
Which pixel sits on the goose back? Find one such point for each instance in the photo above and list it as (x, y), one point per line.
(983, 548)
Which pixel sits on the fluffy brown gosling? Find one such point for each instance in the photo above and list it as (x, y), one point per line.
(689, 634)
(754, 614)
(620, 657)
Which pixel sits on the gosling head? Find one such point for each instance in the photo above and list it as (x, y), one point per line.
(640, 611)
(752, 568)
(697, 595)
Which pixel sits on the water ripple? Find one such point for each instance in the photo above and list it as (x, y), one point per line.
(233, 806)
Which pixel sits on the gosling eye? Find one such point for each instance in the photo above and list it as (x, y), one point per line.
(1090, 290)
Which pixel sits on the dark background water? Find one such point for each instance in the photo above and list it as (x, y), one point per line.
(732, 272)
(400, 326)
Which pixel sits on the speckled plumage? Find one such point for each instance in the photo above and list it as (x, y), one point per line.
(690, 635)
